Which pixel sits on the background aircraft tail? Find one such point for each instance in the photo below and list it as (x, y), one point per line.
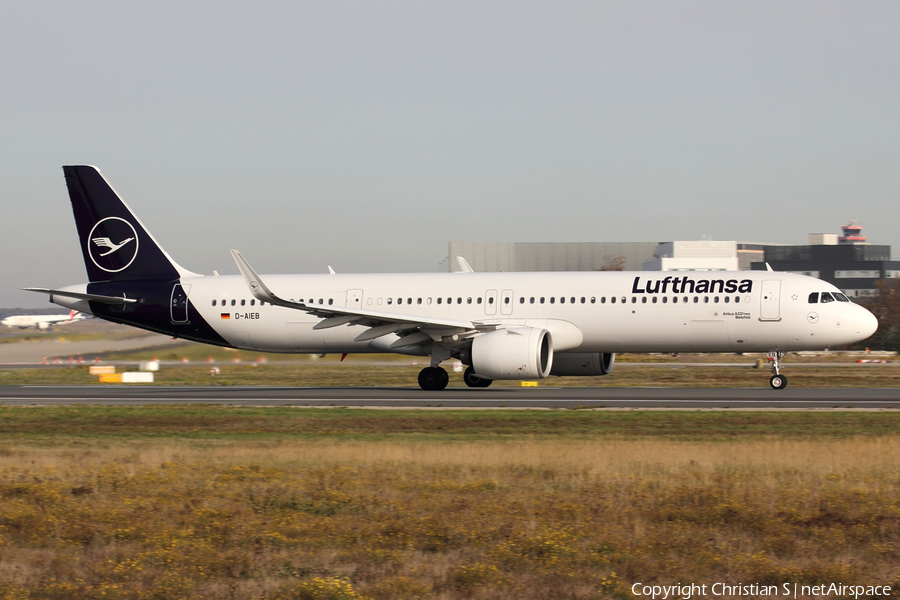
(115, 244)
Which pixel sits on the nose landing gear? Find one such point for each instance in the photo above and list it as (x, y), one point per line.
(778, 381)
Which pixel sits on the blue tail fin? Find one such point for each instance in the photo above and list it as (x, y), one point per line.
(115, 244)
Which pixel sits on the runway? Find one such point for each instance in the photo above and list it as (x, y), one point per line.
(509, 397)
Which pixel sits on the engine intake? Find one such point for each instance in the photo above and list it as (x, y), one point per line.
(586, 364)
(516, 353)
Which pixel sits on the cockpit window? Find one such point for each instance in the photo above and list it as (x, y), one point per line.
(827, 297)
(840, 297)
(814, 298)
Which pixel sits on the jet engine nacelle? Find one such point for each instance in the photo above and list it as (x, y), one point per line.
(516, 353)
(587, 364)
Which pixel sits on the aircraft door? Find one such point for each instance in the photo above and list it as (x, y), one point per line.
(506, 302)
(354, 298)
(179, 304)
(770, 301)
(490, 302)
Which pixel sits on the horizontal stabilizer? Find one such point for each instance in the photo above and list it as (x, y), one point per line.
(80, 296)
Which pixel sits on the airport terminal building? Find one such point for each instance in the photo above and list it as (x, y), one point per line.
(848, 261)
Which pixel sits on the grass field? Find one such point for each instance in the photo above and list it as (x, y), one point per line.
(219, 502)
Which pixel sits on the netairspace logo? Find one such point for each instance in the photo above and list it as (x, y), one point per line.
(791, 590)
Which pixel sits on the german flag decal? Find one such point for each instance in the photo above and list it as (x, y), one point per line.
(226, 315)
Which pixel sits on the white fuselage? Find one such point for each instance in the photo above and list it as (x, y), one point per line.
(583, 311)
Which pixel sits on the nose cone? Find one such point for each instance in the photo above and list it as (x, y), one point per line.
(866, 323)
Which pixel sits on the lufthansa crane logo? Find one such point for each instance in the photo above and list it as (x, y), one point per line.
(112, 244)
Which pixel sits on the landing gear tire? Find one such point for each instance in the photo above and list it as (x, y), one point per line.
(433, 378)
(778, 382)
(474, 381)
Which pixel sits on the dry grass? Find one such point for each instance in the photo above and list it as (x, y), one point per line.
(526, 518)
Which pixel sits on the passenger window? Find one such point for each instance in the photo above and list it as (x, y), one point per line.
(737, 299)
(655, 299)
(665, 299)
(233, 302)
(624, 299)
(506, 300)
(582, 300)
(572, 300)
(490, 300)
(390, 300)
(562, 300)
(675, 300)
(814, 298)
(478, 301)
(428, 301)
(522, 300)
(252, 302)
(542, 299)
(469, 301)
(644, 299)
(459, 301)
(223, 301)
(826, 297)
(531, 301)
(633, 300)
(612, 300)
(243, 302)
(409, 300)
(330, 301)
(594, 299)
(696, 299)
(552, 299)
(418, 301)
(705, 299)
(214, 302)
(399, 300)
(602, 299)
(716, 299)
(449, 300)
(727, 299)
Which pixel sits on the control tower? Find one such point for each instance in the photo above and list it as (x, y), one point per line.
(851, 234)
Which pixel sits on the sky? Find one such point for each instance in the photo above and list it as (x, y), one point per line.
(367, 135)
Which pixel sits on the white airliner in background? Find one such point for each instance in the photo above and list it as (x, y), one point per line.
(41, 321)
(502, 325)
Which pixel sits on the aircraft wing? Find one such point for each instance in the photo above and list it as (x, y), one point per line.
(379, 323)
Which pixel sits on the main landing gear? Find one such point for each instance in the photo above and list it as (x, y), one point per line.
(433, 378)
(436, 378)
(778, 381)
(474, 381)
